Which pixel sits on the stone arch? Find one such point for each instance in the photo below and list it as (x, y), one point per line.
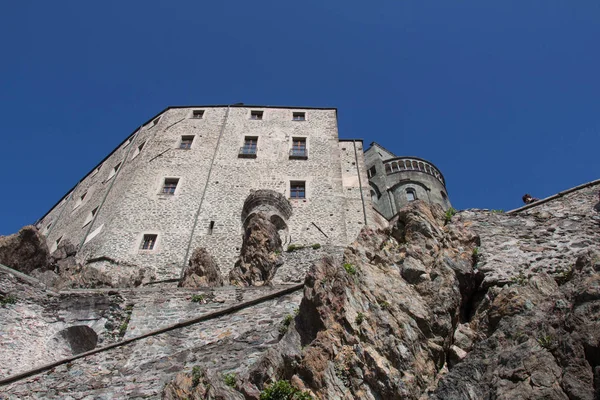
(76, 339)
(274, 205)
(375, 189)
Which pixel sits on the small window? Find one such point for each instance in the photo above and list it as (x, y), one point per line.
(170, 185)
(298, 148)
(248, 150)
(47, 228)
(148, 242)
(410, 195)
(198, 114)
(96, 171)
(114, 171)
(127, 143)
(256, 115)
(211, 227)
(90, 216)
(298, 190)
(186, 142)
(79, 200)
(372, 172)
(299, 116)
(155, 122)
(137, 151)
(55, 245)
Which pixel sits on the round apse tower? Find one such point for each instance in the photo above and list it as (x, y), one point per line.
(396, 181)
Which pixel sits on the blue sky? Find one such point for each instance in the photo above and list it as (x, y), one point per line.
(504, 97)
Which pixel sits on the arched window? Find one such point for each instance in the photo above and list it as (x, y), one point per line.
(410, 194)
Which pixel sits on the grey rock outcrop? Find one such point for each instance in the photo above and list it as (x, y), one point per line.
(202, 271)
(25, 250)
(260, 255)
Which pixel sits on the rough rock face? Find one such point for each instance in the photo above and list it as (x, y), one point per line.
(24, 251)
(202, 270)
(486, 305)
(260, 255)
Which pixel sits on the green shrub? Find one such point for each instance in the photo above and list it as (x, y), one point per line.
(476, 255)
(384, 305)
(7, 299)
(285, 324)
(197, 374)
(360, 317)
(294, 247)
(449, 214)
(198, 298)
(351, 269)
(230, 379)
(283, 390)
(545, 341)
(316, 246)
(497, 211)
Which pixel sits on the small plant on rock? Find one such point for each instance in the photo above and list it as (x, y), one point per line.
(449, 214)
(520, 279)
(198, 298)
(283, 390)
(351, 269)
(384, 305)
(316, 246)
(476, 254)
(497, 211)
(230, 379)
(197, 374)
(6, 299)
(360, 317)
(285, 324)
(545, 341)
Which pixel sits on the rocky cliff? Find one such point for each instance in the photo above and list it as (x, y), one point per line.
(477, 305)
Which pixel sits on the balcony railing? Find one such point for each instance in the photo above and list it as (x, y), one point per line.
(402, 164)
(247, 152)
(300, 154)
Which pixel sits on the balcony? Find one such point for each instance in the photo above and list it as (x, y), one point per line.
(404, 164)
(298, 154)
(247, 152)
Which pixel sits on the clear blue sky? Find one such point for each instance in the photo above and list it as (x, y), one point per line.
(503, 96)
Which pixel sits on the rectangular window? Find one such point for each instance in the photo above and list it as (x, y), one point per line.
(299, 116)
(186, 142)
(148, 242)
(113, 171)
(137, 151)
(372, 172)
(256, 115)
(211, 227)
(249, 148)
(297, 189)
(79, 200)
(155, 121)
(170, 185)
(96, 171)
(198, 114)
(90, 216)
(298, 148)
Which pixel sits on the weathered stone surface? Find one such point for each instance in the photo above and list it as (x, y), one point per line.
(260, 256)
(202, 270)
(25, 250)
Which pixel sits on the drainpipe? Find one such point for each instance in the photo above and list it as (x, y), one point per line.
(114, 178)
(212, 163)
(362, 197)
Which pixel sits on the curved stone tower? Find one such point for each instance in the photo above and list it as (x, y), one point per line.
(396, 181)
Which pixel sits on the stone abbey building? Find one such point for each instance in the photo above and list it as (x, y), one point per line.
(191, 176)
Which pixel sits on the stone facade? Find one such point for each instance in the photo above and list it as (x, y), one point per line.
(111, 209)
(396, 181)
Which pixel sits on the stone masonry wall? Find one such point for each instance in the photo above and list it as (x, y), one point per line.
(134, 206)
(547, 237)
